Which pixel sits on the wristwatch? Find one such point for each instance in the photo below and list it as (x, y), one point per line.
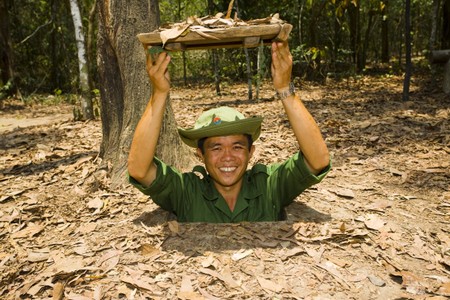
(283, 94)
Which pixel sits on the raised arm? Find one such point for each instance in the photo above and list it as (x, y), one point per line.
(305, 128)
(143, 147)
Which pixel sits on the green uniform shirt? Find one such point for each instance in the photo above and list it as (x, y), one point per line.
(266, 190)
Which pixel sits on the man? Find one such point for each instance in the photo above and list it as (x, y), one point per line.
(224, 190)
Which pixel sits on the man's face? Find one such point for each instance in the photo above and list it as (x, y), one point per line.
(226, 159)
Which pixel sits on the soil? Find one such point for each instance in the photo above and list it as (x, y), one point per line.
(377, 227)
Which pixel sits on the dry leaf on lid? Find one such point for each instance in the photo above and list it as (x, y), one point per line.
(173, 33)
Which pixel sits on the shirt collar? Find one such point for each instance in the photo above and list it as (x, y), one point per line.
(249, 190)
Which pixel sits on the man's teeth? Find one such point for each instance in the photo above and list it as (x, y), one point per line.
(228, 169)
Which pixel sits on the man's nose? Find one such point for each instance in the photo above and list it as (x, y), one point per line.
(227, 154)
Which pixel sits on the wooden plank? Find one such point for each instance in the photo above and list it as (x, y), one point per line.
(283, 35)
(439, 56)
(446, 82)
(175, 47)
(251, 41)
(229, 37)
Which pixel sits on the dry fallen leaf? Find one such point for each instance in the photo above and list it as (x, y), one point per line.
(226, 278)
(209, 261)
(142, 283)
(109, 260)
(174, 226)
(58, 291)
(376, 280)
(95, 203)
(374, 222)
(413, 283)
(30, 231)
(269, 285)
(149, 250)
(444, 289)
(187, 291)
(37, 256)
(345, 193)
(241, 254)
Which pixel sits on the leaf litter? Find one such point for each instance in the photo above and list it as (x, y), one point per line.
(377, 227)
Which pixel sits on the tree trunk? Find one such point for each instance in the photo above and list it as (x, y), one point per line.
(408, 68)
(355, 35)
(124, 85)
(54, 78)
(214, 53)
(446, 25)
(446, 83)
(6, 55)
(184, 53)
(260, 68)
(434, 19)
(439, 56)
(90, 45)
(301, 4)
(442, 57)
(249, 74)
(385, 56)
(85, 97)
(366, 39)
(216, 67)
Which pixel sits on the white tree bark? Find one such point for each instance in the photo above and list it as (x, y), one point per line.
(85, 99)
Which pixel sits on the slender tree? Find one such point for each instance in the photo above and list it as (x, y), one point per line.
(300, 6)
(408, 66)
(214, 53)
(355, 34)
(85, 97)
(385, 56)
(433, 34)
(90, 44)
(445, 41)
(125, 87)
(6, 54)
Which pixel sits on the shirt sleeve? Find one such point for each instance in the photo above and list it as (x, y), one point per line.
(292, 177)
(165, 189)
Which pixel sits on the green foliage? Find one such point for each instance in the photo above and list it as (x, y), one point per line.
(43, 44)
(5, 90)
(173, 11)
(45, 56)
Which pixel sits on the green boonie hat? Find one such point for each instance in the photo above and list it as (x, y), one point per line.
(221, 121)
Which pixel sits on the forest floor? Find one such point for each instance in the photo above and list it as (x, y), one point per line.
(377, 227)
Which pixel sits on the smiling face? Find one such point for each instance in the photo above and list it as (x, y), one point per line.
(226, 159)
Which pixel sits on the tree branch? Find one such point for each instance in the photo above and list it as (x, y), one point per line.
(37, 29)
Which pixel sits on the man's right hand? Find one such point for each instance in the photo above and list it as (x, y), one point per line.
(158, 72)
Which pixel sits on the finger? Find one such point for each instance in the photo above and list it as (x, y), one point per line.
(162, 62)
(276, 57)
(165, 61)
(153, 64)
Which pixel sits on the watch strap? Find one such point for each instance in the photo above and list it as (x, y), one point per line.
(283, 94)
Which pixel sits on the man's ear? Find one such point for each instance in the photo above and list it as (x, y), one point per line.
(252, 150)
(199, 154)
